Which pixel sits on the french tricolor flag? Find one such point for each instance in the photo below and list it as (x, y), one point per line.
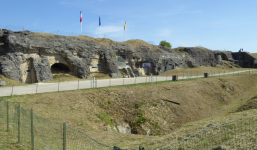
(80, 16)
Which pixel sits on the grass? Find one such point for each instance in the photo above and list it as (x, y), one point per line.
(93, 110)
(254, 55)
(10, 82)
(200, 70)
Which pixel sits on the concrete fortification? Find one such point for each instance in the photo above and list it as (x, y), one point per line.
(33, 57)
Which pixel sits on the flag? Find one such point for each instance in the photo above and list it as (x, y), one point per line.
(125, 26)
(80, 16)
(99, 21)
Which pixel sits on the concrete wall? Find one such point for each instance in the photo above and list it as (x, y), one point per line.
(244, 59)
(97, 64)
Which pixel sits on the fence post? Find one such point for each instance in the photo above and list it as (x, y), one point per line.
(19, 123)
(78, 84)
(32, 130)
(12, 90)
(95, 82)
(0, 107)
(123, 81)
(64, 136)
(7, 116)
(58, 85)
(36, 88)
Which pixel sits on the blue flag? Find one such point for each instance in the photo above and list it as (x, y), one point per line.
(99, 21)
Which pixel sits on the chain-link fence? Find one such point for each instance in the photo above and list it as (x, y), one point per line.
(236, 134)
(39, 133)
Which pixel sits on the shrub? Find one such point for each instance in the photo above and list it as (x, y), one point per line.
(164, 43)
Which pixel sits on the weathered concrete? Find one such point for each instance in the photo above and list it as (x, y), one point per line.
(244, 59)
(28, 56)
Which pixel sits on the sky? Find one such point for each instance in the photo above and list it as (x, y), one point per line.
(215, 24)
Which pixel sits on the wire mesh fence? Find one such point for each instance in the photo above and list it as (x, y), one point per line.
(39, 133)
(236, 134)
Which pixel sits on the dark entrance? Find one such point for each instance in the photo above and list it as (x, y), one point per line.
(60, 68)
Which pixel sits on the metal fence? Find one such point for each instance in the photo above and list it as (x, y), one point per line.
(236, 134)
(39, 133)
(97, 83)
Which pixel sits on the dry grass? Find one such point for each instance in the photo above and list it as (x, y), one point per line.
(201, 48)
(62, 77)
(136, 43)
(8, 141)
(100, 75)
(10, 82)
(44, 34)
(200, 70)
(254, 55)
(200, 99)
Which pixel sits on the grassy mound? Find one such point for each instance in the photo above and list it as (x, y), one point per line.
(143, 107)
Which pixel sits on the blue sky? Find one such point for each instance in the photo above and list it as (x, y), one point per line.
(214, 24)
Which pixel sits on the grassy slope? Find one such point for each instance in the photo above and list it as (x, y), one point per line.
(94, 110)
(136, 43)
(200, 70)
(254, 55)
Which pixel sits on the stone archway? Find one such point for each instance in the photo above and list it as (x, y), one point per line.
(59, 68)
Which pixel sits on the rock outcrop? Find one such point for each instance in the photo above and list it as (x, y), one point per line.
(2, 83)
(28, 56)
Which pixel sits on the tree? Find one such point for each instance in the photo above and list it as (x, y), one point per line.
(164, 43)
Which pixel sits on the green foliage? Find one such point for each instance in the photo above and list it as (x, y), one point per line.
(117, 128)
(109, 102)
(106, 118)
(122, 72)
(138, 104)
(164, 43)
(140, 117)
(156, 125)
(59, 75)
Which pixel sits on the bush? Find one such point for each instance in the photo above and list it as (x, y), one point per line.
(164, 43)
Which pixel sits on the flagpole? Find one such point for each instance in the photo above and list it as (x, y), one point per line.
(100, 24)
(81, 21)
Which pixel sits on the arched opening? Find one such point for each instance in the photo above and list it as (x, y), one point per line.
(59, 68)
